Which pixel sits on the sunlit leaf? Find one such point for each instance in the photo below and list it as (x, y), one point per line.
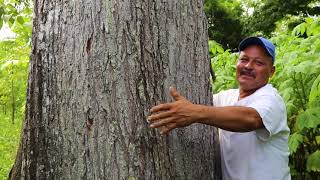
(313, 26)
(1, 11)
(313, 162)
(215, 47)
(11, 21)
(300, 29)
(20, 20)
(309, 118)
(10, 7)
(309, 20)
(318, 139)
(294, 142)
(314, 96)
(1, 23)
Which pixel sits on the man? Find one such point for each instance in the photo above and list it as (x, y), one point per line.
(252, 120)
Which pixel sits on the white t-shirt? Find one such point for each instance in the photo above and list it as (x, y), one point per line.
(261, 154)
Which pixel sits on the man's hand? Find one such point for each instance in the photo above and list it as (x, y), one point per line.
(168, 116)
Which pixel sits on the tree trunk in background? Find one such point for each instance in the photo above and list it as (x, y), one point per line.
(97, 67)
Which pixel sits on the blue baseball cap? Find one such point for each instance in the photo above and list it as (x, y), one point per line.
(263, 42)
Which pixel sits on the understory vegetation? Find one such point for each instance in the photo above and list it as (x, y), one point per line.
(15, 37)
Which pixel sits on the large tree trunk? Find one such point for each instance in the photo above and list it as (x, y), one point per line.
(96, 69)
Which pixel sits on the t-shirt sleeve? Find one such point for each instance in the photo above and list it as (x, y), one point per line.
(215, 100)
(272, 111)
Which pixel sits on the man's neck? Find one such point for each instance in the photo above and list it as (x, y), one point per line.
(244, 93)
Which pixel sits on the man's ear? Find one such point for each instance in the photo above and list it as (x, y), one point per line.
(273, 69)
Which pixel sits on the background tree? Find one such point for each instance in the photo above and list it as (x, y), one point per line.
(96, 68)
(230, 20)
(267, 13)
(224, 18)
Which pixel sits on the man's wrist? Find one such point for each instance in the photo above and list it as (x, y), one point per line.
(200, 113)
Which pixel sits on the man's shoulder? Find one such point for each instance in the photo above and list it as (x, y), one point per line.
(266, 89)
(269, 92)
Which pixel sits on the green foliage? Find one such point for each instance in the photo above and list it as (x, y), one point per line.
(215, 48)
(224, 22)
(314, 96)
(9, 140)
(308, 119)
(223, 63)
(313, 162)
(294, 142)
(268, 12)
(18, 15)
(14, 58)
(308, 28)
(297, 79)
(232, 20)
(14, 11)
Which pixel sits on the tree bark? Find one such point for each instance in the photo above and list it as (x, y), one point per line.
(96, 69)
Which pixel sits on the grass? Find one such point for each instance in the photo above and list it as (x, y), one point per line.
(9, 141)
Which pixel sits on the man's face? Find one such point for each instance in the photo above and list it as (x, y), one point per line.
(254, 68)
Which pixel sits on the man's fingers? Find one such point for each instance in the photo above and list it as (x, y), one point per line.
(159, 116)
(174, 93)
(163, 122)
(160, 107)
(168, 128)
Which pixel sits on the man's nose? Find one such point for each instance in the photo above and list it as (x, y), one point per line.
(249, 65)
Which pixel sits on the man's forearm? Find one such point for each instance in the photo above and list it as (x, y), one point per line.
(231, 118)
(182, 113)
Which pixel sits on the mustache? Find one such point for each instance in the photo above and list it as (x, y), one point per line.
(247, 73)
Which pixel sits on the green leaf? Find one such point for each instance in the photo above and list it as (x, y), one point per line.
(309, 119)
(314, 96)
(215, 48)
(20, 20)
(220, 49)
(318, 139)
(11, 8)
(294, 142)
(313, 26)
(11, 21)
(1, 11)
(313, 162)
(304, 67)
(309, 20)
(300, 29)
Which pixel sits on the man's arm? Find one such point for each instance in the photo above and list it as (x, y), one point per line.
(182, 112)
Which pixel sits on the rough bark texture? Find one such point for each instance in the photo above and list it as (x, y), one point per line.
(97, 67)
